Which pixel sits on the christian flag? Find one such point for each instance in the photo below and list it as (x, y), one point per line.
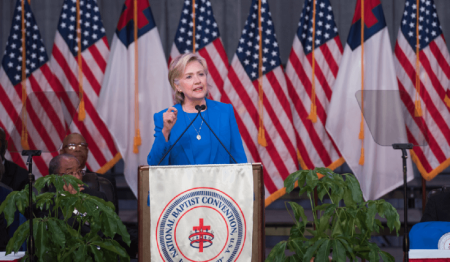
(378, 168)
(128, 100)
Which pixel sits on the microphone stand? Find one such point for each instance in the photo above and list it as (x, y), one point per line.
(403, 147)
(199, 109)
(202, 107)
(180, 136)
(30, 154)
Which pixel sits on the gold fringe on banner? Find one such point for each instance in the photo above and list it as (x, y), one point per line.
(361, 129)
(24, 134)
(137, 141)
(261, 134)
(418, 107)
(82, 110)
(313, 113)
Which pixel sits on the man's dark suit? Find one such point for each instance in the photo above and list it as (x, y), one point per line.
(438, 208)
(15, 176)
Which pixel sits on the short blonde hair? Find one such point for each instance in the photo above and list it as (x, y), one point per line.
(176, 70)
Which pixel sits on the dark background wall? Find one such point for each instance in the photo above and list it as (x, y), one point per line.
(230, 16)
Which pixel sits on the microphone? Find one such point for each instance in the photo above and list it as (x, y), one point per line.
(199, 108)
(203, 107)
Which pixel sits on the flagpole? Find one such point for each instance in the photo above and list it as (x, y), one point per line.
(313, 114)
(137, 138)
(261, 136)
(81, 111)
(361, 131)
(418, 107)
(24, 137)
(193, 26)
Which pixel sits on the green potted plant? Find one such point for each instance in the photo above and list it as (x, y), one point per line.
(56, 239)
(343, 228)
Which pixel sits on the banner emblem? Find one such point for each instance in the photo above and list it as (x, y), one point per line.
(201, 224)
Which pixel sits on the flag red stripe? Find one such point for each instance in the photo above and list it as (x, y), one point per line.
(339, 44)
(105, 40)
(323, 82)
(246, 137)
(221, 51)
(89, 108)
(419, 152)
(268, 183)
(440, 59)
(253, 113)
(98, 57)
(56, 53)
(93, 147)
(212, 69)
(410, 71)
(329, 58)
(296, 64)
(36, 121)
(90, 77)
(52, 115)
(431, 74)
(273, 115)
(300, 146)
(7, 104)
(16, 158)
(434, 146)
(315, 140)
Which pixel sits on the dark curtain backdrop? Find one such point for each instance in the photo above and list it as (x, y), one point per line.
(230, 16)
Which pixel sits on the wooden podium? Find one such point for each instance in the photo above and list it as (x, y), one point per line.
(258, 245)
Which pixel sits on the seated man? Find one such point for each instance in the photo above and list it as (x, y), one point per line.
(75, 144)
(14, 176)
(68, 164)
(438, 208)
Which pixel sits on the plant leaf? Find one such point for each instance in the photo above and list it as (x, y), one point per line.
(277, 253)
(385, 256)
(338, 251)
(18, 238)
(289, 182)
(312, 179)
(98, 255)
(112, 246)
(355, 188)
(56, 231)
(299, 212)
(370, 214)
(311, 251)
(40, 237)
(323, 252)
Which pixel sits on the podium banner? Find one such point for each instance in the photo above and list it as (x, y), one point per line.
(201, 213)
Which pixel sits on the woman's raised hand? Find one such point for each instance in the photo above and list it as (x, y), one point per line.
(169, 119)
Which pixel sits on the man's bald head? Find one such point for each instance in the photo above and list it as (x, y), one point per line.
(74, 144)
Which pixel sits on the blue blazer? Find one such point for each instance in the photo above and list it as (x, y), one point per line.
(222, 122)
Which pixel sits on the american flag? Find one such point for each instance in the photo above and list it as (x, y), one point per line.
(315, 147)
(241, 90)
(42, 117)
(64, 63)
(434, 62)
(207, 43)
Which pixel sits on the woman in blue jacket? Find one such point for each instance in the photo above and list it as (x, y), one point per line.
(187, 76)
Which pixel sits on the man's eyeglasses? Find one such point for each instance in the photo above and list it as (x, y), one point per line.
(75, 173)
(75, 146)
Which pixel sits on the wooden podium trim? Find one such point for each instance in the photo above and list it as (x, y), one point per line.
(258, 243)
